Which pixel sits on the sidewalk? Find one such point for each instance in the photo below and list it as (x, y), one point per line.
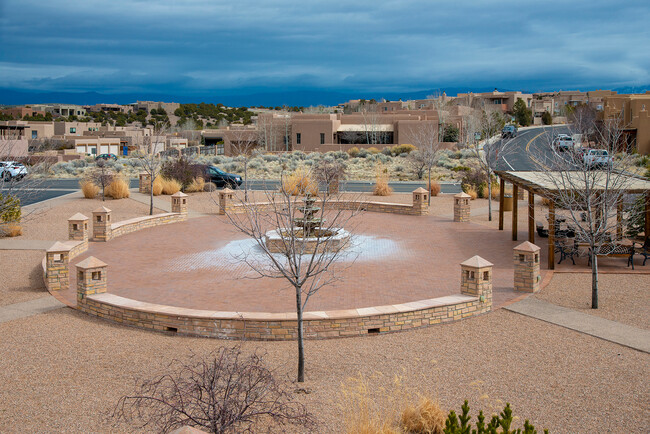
(612, 331)
(29, 308)
(161, 202)
(18, 244)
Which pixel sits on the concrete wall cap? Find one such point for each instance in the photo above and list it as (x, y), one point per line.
(462, 194)
(527, 246)
(420, 190)
(101, 210)
(179, 194)
(476, 262)
(58, 247)
(77, 217)
(91, 262)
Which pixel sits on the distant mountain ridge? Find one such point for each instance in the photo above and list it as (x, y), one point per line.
(293, 97)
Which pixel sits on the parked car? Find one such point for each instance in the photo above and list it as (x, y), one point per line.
(563, 143)
(12, 170)
(106, 157)
(509, 131)
(597, 158)
(221, 178)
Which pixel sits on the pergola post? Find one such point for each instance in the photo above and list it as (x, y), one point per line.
(502, 184)
(531, 217)
(619, 219)
(647, 215)
(515, 205)
(551, 235)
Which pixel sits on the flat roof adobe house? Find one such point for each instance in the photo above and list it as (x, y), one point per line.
(633, 111)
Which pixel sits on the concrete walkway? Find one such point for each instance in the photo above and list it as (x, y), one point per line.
(612, 331)
(29, 308)
(161, 202)
(18, 244)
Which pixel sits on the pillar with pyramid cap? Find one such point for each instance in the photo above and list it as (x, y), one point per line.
(528, 277)
(56, 263)
(179, 202)
(102, 224)
(225, 200)
(461, 207)
(78, 227)
(476, 278)
(91, 277)
(421, 201)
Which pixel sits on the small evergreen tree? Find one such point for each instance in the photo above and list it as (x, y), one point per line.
(547, 119)
(523, 115)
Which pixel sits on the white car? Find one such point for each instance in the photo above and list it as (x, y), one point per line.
(12, 170)
(563, 143)
(595, 158)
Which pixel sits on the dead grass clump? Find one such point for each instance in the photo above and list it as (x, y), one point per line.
(11, 230)
(89, 189)
(300, 183)
(495, 191)
(362, 414)
(434, 188)
(118, 189)
(373, 150)
(197, 185)
(157, 186)
(353, 152)
(170, 186)
(381, 184)
(472, 193)
(427, 417)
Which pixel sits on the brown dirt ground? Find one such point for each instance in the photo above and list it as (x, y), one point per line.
(21, 276)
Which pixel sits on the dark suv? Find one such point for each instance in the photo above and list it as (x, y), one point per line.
(222, 179)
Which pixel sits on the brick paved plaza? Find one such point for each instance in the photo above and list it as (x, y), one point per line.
(409, 258)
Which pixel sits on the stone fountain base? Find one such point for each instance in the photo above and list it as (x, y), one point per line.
(330, 243)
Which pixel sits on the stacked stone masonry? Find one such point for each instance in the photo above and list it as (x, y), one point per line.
(526, 259)
(462, 208)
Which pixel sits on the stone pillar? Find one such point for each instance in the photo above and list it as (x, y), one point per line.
(179, 202)
(528, 277)
(91, 277)
(56, 261)
(78, 227)
(421, 201)
(102, 224)
(476, 279)
(225, 199)
(145, 183)
(461, 207)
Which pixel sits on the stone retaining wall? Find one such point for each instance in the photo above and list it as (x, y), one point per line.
(135, 224)
(283, 326)
(351, 205)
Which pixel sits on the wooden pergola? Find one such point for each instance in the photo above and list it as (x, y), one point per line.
(538, 183)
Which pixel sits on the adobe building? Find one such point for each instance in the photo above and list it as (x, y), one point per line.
(633, 112)
(503, 101)
(21, 112)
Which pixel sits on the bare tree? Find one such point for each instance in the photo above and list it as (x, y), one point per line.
(302, 258)
(486, 124)
(222, 393)
(150, 158)
(373, 129)
(330, 173)
(425, 137)
(244, 143)
(440, 104)
(590, 191)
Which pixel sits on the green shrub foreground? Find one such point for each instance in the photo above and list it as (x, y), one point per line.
(499, 424)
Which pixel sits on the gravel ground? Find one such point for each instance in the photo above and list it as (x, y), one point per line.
(50, 222)
(21, 276)
(64, 371)
(621, 297)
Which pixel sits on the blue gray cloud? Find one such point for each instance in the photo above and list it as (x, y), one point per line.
(195, 47)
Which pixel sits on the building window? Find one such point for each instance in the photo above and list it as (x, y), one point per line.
(298, 138)
(73, 130)
(220, 149)
(34, 134)
(322, 138)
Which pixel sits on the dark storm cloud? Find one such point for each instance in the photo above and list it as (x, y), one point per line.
(193, 47)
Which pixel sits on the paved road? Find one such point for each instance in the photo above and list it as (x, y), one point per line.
(532, 142)
(35, 191)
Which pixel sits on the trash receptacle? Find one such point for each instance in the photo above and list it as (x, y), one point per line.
(507, 202)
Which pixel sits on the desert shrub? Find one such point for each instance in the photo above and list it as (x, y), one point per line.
(381, 184)
(456, 155)
(353, 152)
(170, 186)
(461, 169)
(224, 392)
(231, 167)
(10, 230)
(89, 189)
(341, 155)
(387, 152)
(300, 183)
(183, 170)
(209, 187)
(256, 164)
(364, 153)
(471, 190)
(197, 185)
(9, 208)
(485, 193)
(427, 417)
(434, 188)
(270, 158)
(399, 168)
(475, 178)
(373, 150)
(402, 149)
(79, 163)
(118, 188)
(461, 424)
(298, 155)
(157, 186)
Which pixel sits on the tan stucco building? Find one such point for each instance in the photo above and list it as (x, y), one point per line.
(634, 114)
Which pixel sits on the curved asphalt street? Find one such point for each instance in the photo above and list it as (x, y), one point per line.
(530, 144)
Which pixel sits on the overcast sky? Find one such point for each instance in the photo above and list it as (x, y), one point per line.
(197, 47)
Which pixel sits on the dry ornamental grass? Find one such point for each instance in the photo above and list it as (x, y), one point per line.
(197, 185)
(434, 188)
(11, 230)
(300, 183)
(157, 186)
(170, 186)
(89, 189)
(381, 186)
(118, 189)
